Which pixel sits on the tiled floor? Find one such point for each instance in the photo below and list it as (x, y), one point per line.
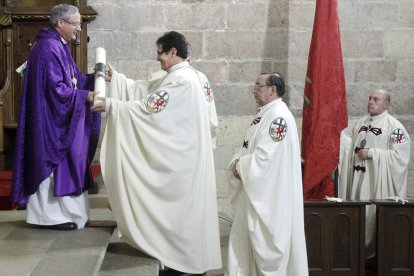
(29, 250)
(94, 250)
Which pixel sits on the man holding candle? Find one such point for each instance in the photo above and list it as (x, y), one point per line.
(57, 134)
(157, 163)
(208, 93)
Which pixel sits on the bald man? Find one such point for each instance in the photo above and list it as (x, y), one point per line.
(376, 165)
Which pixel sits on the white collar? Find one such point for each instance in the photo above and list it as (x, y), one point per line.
(379, 116)
(177, 66)
(268, 105)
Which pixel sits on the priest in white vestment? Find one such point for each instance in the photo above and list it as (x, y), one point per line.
(157, 163)
(267, 235)
(210, 103)
(375, 161)
(208, 93)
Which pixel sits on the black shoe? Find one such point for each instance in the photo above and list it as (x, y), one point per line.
(21, 207)
(62, 226)
(172, 272)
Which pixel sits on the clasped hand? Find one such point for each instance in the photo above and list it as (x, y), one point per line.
(363, 154)
(234, 169)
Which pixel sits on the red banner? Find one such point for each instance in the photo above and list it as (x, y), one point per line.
(325, 105)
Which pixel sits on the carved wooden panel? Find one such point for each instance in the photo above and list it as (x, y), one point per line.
(24, 37)
(395, 238)
(335, 237)
(2, 65)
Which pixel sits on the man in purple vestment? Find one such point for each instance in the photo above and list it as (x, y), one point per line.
(57, 134)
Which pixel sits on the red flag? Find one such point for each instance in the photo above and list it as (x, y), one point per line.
(324, 108)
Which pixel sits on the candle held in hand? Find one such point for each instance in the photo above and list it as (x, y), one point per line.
(100, 74)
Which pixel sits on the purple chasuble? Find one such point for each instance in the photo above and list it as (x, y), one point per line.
(56, 131)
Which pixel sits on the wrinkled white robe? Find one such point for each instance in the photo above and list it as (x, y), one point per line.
(44, 208)
(386, 169)
(267, 235)
(210, 103)
(157, 164)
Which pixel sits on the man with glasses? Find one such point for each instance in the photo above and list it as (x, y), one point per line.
(375, 165)
(267, 236)
(157, 163)
(57, 134)
(208, 93)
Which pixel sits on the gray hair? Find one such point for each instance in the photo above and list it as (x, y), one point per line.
(61, 11)
(387, 95)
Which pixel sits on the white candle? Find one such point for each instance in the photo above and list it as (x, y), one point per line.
(100, 55)
(100, 74)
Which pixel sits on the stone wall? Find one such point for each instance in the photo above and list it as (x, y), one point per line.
(234, 40)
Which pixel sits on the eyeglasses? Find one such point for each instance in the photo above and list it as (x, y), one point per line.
(376, 99)
(74, 24)
(162, 52)
(258, 86)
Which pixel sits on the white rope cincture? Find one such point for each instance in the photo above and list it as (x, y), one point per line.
(333, 199)
(398, 199)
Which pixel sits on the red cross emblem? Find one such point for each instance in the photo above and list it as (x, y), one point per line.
(278, 129)
(208, 92)
(157, 101)
(398, 136)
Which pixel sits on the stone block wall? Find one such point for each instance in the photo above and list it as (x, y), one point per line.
(234, 40)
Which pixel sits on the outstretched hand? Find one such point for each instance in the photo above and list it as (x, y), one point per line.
(91, 95)
(99, 106)
(108, 72)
